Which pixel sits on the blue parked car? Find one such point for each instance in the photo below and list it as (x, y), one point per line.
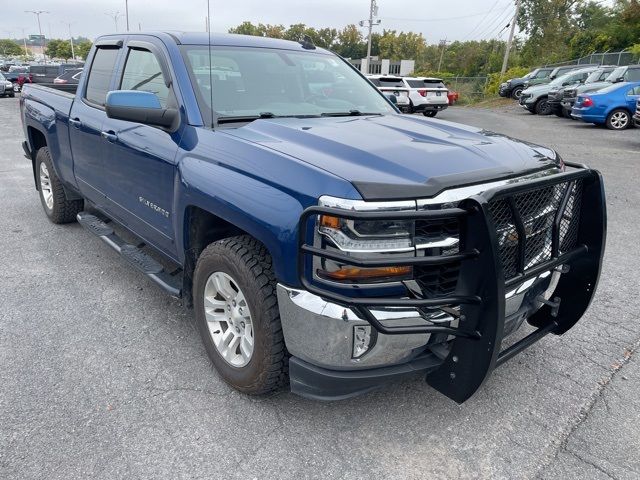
(612, 106)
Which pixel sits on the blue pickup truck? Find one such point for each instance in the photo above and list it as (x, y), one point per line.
(325, 241)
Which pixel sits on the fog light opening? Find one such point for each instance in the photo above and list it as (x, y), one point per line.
(361, 340)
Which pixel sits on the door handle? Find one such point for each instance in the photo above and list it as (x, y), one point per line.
(109, 136)
(75, 122)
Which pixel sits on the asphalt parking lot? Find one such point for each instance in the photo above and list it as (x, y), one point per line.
(104, 376)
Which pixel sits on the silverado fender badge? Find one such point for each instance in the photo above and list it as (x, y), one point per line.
(153, 207)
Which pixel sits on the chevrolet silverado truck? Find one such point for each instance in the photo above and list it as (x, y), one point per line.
(324, 241)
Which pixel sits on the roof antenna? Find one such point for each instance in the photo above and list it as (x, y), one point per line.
(307, 43)
(210, 73)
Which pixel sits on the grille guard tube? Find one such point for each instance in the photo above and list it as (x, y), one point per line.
(480, 293)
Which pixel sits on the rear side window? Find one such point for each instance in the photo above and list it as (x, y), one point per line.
(633, 75)
(100, 75)
(143, 72)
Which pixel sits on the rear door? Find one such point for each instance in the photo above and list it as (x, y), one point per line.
(86, 118)
(140, 159)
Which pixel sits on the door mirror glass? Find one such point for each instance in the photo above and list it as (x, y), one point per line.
(141, 107)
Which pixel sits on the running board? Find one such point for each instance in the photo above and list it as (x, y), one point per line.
(132, 254)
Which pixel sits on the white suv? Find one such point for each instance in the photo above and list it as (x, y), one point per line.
(396, 86)
(427, 95)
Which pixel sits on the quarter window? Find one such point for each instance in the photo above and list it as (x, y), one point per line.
(100, 74)
(143, 72)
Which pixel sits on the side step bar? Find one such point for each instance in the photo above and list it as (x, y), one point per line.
(132, 254)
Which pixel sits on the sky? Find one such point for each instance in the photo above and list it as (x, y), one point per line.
(435, 19)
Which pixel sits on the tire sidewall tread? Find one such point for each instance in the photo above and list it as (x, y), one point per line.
(247, 261)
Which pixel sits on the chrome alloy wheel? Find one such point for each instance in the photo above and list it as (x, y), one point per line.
(229, 319)
(45, 186)
(619, 120)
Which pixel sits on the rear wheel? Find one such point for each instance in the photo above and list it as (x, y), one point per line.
(237, 314)
(517, 93)
(543, 107)
(52, 195)
(430, 113)
(619, 119)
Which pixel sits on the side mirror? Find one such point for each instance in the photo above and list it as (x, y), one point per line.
(392, 98)
(141, 107)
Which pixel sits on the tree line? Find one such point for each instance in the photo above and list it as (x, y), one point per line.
(552, 31)
(55, 48)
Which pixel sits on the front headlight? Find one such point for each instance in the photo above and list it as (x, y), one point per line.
(388, 238)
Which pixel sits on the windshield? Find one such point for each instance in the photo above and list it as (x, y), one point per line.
(243, 82)
(597, 76)
(2, 77)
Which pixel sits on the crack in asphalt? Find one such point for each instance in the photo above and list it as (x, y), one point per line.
(586, 410)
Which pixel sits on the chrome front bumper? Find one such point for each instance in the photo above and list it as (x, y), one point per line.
(322, 333)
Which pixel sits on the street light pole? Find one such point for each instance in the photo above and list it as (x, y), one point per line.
(115, 17)
(37, 13)
(73, 53)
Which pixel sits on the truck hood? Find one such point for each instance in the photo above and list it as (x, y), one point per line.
(592, 87)
(398, 156)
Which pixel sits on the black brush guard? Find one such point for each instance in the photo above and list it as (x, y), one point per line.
(480, 293)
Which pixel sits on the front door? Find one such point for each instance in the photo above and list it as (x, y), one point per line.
(140, 159)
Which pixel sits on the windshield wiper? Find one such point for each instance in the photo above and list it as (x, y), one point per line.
(350, 113)
(245, 118)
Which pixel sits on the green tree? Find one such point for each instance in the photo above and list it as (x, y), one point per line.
(9, 48)
(82, 49)
(350, 43)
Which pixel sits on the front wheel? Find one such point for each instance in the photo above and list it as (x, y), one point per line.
(543, 107)
(430, 113)
(619, 119)
(237, 314)
(52, 196)
(517, 93)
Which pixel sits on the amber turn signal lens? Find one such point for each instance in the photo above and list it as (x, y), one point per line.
(329, 221)
(354, 273)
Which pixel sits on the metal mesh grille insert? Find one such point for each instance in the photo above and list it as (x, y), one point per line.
(536, 210)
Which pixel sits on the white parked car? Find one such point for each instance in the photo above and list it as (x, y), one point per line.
(427, 95)
(396, 86)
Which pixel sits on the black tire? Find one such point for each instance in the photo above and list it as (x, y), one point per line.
(517, 93)
(430, 113)
(543, 107)
(61, 210)
(619, 119)
(248, 263)
(12, 94)
(559, 113)
(567, 113)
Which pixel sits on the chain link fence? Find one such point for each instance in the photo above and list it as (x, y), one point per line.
(470, 89)
(622, 57)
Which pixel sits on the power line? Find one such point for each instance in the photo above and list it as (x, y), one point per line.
(468, 35)
(494, 25)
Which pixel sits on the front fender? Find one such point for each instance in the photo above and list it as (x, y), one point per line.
(263, 211)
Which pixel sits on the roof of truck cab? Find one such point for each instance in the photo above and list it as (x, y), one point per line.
(224, 39)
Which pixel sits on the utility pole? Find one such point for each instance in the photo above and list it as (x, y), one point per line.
(510, 41)
(73, 53)
(37, 13)
(443, 44)
(373, 12)
(126, 11)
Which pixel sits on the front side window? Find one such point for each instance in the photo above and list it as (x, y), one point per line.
(253, 82)
(100, 74)
(142, 72)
